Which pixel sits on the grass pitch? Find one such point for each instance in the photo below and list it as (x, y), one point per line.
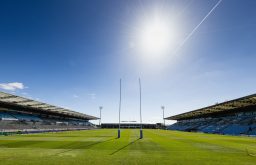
(102, 147)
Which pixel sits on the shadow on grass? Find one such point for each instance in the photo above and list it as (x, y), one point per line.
(83, 146)
(74, 145)
(124, 147)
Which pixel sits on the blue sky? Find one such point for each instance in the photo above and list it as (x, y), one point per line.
(73, 53)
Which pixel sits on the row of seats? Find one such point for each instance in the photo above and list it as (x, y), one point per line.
(29, 118)
(18, 116)
(231, 125)
(18, 125)
(26, 117)
(6, 116)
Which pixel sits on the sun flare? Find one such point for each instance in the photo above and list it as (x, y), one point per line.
(155, 37)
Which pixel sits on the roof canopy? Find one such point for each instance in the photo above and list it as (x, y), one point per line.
(13, 100)
(227, 106)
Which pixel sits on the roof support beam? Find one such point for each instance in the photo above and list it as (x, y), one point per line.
(23, 101)
(34, 104)
(8, 97)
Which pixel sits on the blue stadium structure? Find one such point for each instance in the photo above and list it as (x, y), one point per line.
(235, 117)
(19, 114)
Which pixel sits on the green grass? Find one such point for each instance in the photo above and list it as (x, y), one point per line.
(102, 147)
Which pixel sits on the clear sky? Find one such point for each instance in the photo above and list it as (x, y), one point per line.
(72, 53)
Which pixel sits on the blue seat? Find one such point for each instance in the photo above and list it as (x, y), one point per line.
(6, 116)
(26, 117)
(236, 129)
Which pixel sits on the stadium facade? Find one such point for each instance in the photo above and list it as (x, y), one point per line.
(235, 117)
(129, 125)
(19, 114)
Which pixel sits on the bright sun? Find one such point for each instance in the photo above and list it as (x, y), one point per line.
(155, 37)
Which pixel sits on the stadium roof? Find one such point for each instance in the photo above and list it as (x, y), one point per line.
(228, 106)
(13, 100)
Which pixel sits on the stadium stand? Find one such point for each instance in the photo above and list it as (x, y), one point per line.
(235, 117)
(19, 114)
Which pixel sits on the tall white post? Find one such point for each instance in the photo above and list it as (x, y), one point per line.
(163, 115)
(118, 132)
(100, 116)
(141, 131)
